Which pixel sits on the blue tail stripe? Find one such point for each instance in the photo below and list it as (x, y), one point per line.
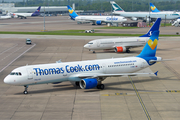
(155, 27)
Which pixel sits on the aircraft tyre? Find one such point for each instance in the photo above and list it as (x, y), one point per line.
(128, 51)
(101, 86)
(77, 83)
(25, 91)
(93, 51)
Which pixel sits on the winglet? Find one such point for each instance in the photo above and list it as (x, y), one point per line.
(156, 73)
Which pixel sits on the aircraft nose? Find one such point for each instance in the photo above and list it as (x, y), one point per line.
(86, 46)
(7, 80)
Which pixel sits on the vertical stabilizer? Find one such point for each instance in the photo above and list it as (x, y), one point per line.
(153, 8)
(116, 7)
(72, 13)
(149, 49)
(155, 27)
(37, 12)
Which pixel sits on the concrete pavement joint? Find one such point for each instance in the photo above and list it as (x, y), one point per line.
(140, 100)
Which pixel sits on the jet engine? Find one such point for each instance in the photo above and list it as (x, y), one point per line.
(120, 49)
(88, 83)
(98, 22)
(134, 18)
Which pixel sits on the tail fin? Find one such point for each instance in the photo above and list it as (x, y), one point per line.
(72, 14)
(116, 7)
(155, 27)
(37, 12)
(153, 8)
(150, 48)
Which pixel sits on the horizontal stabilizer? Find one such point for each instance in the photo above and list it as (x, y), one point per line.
(156, 73)
(152, 61)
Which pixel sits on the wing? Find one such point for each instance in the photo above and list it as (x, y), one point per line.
(113, 75)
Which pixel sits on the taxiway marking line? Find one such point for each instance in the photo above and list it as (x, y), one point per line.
(140, 100)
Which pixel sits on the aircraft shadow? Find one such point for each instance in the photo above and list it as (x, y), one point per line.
(107, 86)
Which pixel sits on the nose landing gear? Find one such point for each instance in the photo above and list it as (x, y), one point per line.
(25, 91)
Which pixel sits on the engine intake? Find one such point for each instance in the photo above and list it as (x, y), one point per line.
(88, 83)
(120, 49)
(98, 22)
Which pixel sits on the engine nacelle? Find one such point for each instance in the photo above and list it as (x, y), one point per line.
(98, 22)
(134, 18)
(120, 49)
(88, 83)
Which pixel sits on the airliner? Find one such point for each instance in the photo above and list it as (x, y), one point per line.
(25, 15)
(154, 9)
(95, 19)
(89, 74)
(143, 15)
(8, 16)
(122, 44)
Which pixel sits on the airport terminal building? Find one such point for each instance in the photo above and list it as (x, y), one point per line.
(10, 7)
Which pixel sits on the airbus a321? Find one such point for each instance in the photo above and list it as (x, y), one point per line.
(95, 19)
(122, 44)
(88, 74)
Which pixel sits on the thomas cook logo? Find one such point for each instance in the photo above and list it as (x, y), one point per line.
(153, 7)
(152, 44)
(70, 11)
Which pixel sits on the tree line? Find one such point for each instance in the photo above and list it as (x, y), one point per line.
(127, 5)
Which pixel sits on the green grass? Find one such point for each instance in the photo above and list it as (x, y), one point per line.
(74, 32)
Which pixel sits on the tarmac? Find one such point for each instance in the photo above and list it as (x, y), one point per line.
(124, 98)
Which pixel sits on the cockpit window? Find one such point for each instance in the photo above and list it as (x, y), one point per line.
(16, 73)
(90, 43)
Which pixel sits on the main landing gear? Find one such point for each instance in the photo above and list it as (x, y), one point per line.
(100, 86)
(128, 51)
(25, 91)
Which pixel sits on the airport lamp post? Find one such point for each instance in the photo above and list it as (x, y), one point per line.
(44, 20)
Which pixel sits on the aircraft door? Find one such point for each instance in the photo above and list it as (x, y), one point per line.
(98, 43)
(104, 67)
(30, 73)
(143, 63)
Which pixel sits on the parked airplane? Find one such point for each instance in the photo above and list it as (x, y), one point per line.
(25, 15)
(122, 44)
(154, 9)
(89, 73)
(145, 16)
(7, 16)
(95, 19)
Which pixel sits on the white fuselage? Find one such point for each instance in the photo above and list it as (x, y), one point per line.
(22, 14)
(69, 71)
(5, 17)
(162, 15)
(111, 43)
(106, 19)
